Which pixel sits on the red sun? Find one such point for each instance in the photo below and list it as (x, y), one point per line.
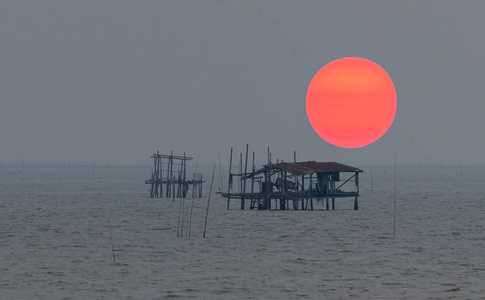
(351, 102)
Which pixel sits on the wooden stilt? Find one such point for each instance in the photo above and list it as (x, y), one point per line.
(252, 184)
(243, 200)
(229, 181)
(356, 201)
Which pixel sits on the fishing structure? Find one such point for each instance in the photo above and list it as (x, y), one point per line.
(291, 185)
(169, 177)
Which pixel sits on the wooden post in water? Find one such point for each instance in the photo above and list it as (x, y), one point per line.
(208, 201)
(252, 183)
(184, 177)
(192, 206)
(220, 171)
(243, 200)
(112, 247)
(240, 172)
(395, 204)
(356, 201)
(160, 174)
(200, 186)
(371, 181)
(229, 181)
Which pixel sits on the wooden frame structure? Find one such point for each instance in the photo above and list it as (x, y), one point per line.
(170, 172)
(292, 185)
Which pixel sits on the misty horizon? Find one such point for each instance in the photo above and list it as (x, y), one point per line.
(116, 81)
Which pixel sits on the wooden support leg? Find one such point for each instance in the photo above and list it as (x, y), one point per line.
(282, 204)
(326, 203)
(356, 203)
(333, 203)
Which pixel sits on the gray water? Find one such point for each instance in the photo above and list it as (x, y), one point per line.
(55, 240)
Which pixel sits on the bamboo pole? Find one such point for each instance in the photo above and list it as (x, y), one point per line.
(240, 172)
(184, 168)
(371, 180)
(243, 200)
(252, 183)
(229, 181)
(395, 205)
(267, 178)
(220, 171)
(208, 201)
(356, 201)
(191, 208)
(111, 236)
(179, 217)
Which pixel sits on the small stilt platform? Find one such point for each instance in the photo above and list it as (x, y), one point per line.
(169, 177)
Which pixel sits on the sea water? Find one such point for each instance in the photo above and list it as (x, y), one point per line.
(82, 234)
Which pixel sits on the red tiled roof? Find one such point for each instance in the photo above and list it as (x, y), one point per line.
(311, 167)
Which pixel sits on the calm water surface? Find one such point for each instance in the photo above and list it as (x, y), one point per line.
(55, 240)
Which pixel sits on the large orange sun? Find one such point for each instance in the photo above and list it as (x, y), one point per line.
(351, 102)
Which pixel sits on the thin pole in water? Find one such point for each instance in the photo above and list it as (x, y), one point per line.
(371, 181)
(220, 171)
(111, 236)
(208, 201)
(395, 206)
(178, 220)
(191, 210)
(194, 178)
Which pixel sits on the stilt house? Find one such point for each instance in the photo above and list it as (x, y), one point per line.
(294, 185)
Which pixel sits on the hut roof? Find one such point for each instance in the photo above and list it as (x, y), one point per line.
(311, 167)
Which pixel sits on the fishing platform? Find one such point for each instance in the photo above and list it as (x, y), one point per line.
(292, 185)
(169, 177)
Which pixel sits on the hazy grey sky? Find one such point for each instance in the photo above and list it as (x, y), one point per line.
(117, 80)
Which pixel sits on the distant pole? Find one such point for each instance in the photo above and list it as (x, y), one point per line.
(229, 181)
(395, 205)
(208, 201)
(243, 200)
(193, 195)
(240, 172)
(111, 236)
(192, 206)
(371, 181)
(179, 234)
(220, 171)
